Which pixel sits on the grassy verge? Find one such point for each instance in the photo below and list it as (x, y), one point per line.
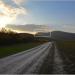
(68, 47)
(12, 49)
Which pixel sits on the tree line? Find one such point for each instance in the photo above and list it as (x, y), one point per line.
(7, 38)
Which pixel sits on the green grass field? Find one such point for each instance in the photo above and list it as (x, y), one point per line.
(12, 49)
(68, 47)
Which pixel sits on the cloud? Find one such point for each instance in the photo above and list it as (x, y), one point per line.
(18, 2)
(11, 11)
(30, 28)
(1, 14)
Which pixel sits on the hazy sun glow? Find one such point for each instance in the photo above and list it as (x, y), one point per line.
(4, 20)
(18, 31)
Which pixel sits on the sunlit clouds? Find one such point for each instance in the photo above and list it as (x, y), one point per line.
(9, 13)
(18, 2)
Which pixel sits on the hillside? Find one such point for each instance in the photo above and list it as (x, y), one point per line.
(43, 34)
(59, 35)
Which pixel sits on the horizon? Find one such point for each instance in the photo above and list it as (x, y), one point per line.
(11, 29)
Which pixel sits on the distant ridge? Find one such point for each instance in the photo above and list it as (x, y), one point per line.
(43, 34)
(60, 35)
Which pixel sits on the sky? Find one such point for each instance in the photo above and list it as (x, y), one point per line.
(58, 14)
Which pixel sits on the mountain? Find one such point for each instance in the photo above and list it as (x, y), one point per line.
(60, 35)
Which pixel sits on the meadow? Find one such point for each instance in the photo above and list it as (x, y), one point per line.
(15, 48)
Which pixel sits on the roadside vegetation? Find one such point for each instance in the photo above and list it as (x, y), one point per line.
(11, 42)
(15, 48)
(68, 47)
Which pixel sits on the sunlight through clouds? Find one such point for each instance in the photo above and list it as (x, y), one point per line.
(10, 13)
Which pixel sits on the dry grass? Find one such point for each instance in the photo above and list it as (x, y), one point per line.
(68, 47)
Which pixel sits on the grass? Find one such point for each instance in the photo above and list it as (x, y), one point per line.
(12, 49)
(68, 47)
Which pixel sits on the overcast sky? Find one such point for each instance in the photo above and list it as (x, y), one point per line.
(57, 13)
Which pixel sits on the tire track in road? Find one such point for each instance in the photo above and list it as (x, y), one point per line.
(58, 63)
(53, 64)
(36, 67)
(47, 66)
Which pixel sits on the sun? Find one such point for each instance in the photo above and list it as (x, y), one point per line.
(4, 20)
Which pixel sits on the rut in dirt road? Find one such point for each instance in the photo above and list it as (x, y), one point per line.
(58, 63)
(53, 64)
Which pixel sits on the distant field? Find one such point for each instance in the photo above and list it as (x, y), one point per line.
(68, 47)
(12, 49)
